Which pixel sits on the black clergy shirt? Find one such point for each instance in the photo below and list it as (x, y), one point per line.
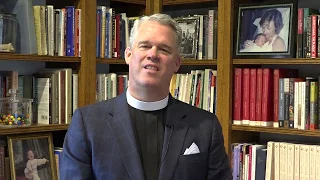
(149, 133)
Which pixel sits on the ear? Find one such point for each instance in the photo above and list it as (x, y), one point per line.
(177, 64)
(128, 54)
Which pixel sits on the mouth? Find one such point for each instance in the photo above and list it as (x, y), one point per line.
(151, 67)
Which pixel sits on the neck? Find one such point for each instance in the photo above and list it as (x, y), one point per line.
(270, 38)
(147, 94)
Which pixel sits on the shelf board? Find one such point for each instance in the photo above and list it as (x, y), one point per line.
(184, 61)
(111, 61)
(32, 57)
(278, 61)
(199, 62)
(177, 2)
(141, 2)
(276, 130)
(32, 129)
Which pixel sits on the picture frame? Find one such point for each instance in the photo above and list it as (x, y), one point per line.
(26, 150)
(266, 30)
(190, 31)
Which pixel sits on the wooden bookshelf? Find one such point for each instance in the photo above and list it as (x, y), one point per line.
(32, 57)
(277, 61)
(199, 62)
(176, 2)
(111, 61)
(276, 130)
(141, 2)
(32, 129)
(184, 61)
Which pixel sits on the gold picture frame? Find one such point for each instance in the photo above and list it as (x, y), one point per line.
(26, 150)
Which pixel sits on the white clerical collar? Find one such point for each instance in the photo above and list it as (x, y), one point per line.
(146, 106)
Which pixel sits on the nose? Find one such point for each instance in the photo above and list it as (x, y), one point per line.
(153, 53)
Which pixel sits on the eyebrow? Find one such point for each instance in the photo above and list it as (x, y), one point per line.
(161, 45)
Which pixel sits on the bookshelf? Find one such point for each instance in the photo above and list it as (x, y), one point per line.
(33, 129)
(226, 63)
(23, 57)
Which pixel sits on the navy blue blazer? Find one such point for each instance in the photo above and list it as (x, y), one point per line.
(100, 144)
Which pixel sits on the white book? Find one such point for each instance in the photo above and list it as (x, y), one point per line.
(304, 162)
(303, 106)
(51, 29)
(74, 92)
(290, 161)
(296, 103)
(276, 161)
(312, 162)
(270, 161)
(43, 100)
(296, 162)
(210, 33)
(317, 162)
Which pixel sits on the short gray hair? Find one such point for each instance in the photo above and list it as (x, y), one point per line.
(162, 19)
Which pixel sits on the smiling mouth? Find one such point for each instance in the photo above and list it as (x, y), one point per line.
(151, 68)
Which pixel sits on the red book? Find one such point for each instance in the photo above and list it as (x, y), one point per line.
(237, 96)
(253, 95)
(246, 96)
(259, 97)
(314, 36)
(267, 98)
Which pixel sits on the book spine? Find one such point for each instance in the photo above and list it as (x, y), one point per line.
(259, 97)
(300, 34)
(253, 95)
(267, 99)
(237, 100)
(314, 36)
(70, 31)
(246, 96)
(281, 102)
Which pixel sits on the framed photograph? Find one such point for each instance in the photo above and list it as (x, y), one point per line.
(32, 157)
(265, 30)
(189, 26)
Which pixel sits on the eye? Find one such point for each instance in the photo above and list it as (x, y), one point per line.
(144, 46)
(165, 50)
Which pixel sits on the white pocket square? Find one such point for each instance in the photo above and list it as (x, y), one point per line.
(193, 149)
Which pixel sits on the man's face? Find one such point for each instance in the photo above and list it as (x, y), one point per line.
(153, 57)
(30, 155)
(260, 40)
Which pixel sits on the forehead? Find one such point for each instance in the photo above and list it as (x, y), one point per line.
(268, 24)
(155, 33)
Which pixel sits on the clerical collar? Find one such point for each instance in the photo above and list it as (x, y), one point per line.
(146, 106)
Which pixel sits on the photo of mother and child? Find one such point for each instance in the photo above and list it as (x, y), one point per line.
(265, 30)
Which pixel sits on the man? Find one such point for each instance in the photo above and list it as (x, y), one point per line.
(145, 133)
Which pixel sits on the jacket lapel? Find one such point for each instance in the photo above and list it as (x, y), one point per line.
(122, 129)
(175, 133)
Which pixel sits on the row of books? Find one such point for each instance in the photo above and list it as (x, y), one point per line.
(58, 31)
(110, 85)
(112, 35)
(54, 93)
(275, 97)
(199, 34)
(197, 88)
(308, 33)
(275, 161)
